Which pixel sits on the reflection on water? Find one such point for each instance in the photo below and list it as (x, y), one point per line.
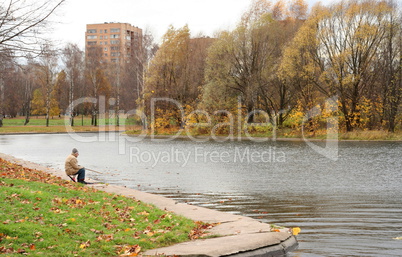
(349, 207)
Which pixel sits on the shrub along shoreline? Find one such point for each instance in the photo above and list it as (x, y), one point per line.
(15, 126)
(48, 216)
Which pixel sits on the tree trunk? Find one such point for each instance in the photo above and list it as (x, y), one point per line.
(348, 121)
(27, 117)
(71, 103)
(27, 111)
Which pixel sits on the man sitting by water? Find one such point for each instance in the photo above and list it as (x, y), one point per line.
(72, 168)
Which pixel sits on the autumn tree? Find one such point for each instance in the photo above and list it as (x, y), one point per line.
(245, 61)
(38, 102)
(21, 25)
(96, 78)
(218, 92)
(167, 74)
(124, 73)
(61, 91)
(27, 73)
(47, 72)
(149, 47)
(12, 85)
(390, 63)
(280, 10)
(16, 87)
(342, 43)
(278, 95)
(177, 71)
(6, 73)
(243, 56)
(143, 50)
(73, 59)
(298, 9)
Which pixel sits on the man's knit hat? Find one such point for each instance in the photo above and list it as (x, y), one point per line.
(75, 150)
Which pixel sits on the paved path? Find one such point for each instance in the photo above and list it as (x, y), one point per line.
(238, 235)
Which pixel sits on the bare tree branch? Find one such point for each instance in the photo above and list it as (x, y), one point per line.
(22, 23)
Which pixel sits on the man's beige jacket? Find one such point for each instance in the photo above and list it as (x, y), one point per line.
(71, 166)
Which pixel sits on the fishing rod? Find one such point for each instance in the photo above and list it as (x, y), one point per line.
(94, 171)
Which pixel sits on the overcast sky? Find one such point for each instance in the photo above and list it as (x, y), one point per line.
(202, 16)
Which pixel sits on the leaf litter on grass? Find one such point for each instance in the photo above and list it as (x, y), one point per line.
(48, 215)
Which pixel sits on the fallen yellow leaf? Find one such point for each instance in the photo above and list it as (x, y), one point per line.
(296, 231)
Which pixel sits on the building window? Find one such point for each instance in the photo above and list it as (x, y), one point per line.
(101, 43)
(128, 38)
(105, 43)
(115, 42)
(115, 36)
(91, 43)
(100, 37)
(115, 48)
(105, 31)
(105, 37)
(105, 54)
(115, 54)
(114, 30)
(91, 31)
(92, 37)
(105, 49)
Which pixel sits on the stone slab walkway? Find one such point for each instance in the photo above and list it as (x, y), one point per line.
(238, 235)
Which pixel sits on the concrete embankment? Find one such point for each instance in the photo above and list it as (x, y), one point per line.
(235, 235)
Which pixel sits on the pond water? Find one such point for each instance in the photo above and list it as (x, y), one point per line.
(348, 207)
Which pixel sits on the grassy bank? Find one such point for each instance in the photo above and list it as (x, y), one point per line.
(55, 121)
(56, 125)
(42, 215)
(286, 133)
(83, 124)
(53, 129)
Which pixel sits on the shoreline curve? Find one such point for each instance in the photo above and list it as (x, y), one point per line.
(238, 235)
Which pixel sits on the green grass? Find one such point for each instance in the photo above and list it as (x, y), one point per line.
(371, 135)
(55, 121)
(56, 125)
(60, 218)
(133, 127)
(54, 129)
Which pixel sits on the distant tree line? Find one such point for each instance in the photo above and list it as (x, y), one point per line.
(284, 60)
(36, 78)
(281, 59)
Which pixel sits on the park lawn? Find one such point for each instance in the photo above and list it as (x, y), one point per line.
(55, 121)
(83, 124)
(55, 129)
(43, 215)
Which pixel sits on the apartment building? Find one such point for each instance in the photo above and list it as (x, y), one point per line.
(118, 41)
